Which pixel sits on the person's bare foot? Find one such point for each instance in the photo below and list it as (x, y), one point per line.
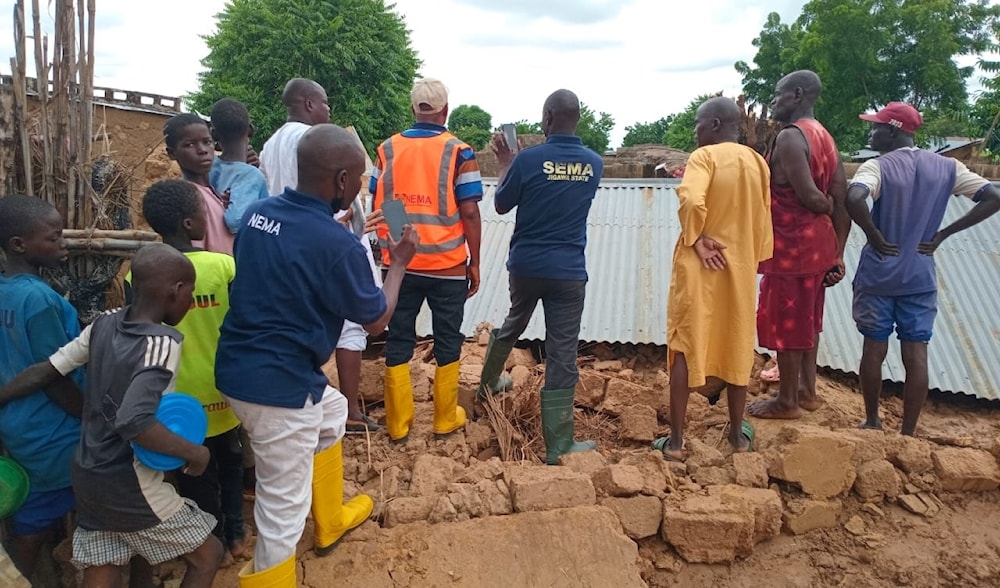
(740, 443)
(670, 453)
(772, 408)
(871, 424)
(674, 454)
(227, 560)
(809, 401)
(239, 548)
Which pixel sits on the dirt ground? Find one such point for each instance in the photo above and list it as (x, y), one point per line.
(455, 512)
(957, 546)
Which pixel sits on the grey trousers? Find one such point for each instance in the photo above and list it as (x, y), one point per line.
(562, 301)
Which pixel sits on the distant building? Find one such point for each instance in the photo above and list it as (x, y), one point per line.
(954, 147)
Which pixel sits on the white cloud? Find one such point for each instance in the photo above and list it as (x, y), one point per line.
(501, 39)
(563, 11)
(638, 60)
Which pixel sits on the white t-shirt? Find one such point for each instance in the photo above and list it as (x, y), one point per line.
(869, 174)
(279, 161)
(278, 158)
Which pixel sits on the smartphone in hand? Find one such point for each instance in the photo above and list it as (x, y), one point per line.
(510, 136)
(395, 217)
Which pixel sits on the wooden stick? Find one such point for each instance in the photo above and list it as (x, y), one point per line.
(87, 99)
(73, 161)
(42, 87)
(130, 234)
(105, 244)
(107, 252)
(17, 66)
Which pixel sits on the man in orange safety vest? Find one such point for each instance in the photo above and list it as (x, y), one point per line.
(436, 177)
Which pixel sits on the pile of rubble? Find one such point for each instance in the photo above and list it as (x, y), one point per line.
(714, 507)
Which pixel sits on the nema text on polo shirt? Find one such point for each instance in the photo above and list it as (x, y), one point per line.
(262, 223)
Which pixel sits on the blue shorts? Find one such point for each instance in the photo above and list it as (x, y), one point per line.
(42, 510)
(911, 315)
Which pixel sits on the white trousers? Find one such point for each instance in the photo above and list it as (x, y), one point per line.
(284, 441)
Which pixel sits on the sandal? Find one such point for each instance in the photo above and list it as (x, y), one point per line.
(747, 430)
(365, 424)
(771, 375)
(660, 444)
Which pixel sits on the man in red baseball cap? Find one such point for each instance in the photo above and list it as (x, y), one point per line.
(898, 115)
(895, 287)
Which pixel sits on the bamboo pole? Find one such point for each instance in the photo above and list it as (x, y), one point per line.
(128, 234)
(106, 244)
(18, 69)
(68, 90)
(85, 253)
(42, 87)
(87, 100)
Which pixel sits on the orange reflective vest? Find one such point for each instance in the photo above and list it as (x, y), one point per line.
(421, 173)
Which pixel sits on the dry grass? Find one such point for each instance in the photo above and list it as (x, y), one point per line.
(516, 420)
(517, 423)
(597, 426)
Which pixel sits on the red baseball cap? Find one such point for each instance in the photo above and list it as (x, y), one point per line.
(898, 114)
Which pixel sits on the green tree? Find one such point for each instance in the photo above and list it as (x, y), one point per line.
(476, 138)
(647, 133)
(595, 128)
(467, 116)
(870, 52)
(939, 124)
(359, 50)
(680, 134)
(524, 127)
(984, 115)
(775, 47)
(471, 124)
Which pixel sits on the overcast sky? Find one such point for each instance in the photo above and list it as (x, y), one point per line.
(638, 60)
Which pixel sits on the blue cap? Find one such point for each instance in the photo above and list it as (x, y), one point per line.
(184, 416)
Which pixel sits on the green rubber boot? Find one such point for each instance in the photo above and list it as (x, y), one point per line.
(557, 425)
(493, 380)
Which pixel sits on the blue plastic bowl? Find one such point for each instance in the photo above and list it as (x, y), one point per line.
(184, 416)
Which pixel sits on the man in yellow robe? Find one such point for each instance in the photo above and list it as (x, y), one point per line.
(725, 221)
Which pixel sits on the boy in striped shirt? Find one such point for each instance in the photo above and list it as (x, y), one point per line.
(124, 508)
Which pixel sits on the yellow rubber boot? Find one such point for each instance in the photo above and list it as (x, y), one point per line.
(448, 415)
(280, 576)
(398, 401)
(332, 518)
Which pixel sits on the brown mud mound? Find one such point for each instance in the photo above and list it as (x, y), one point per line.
(819, 503)
(573, 547)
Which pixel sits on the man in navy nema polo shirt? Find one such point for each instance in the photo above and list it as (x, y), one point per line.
(300, 275)
(552, 186)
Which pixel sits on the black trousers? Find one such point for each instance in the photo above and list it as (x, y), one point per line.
(219, 491)
(446, 299)
(562, 301)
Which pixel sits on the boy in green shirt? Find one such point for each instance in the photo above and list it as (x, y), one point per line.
(174, 209)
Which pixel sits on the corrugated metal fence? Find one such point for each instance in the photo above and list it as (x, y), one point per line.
(631, 234)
